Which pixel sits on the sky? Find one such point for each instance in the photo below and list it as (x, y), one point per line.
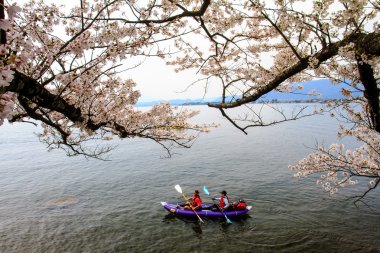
(158, 81)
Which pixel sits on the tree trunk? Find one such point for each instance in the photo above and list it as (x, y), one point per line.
(3, 38)
(371, 92)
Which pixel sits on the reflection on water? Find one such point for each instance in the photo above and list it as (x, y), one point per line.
(96, 206)
(197, 228)
(62, 202)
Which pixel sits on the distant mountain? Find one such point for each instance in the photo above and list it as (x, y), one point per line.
(176, 102)
(324, 88)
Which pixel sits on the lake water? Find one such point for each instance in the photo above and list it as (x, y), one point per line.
(53, 203)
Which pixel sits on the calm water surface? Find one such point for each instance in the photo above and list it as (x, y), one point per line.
(52, 203)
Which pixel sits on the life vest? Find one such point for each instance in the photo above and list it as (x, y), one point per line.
(241, 205)
(221, 202)
(197, 201)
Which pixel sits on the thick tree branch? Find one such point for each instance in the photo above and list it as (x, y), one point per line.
(3, 36)
(32, 90)
(371, 92)
(368, 43)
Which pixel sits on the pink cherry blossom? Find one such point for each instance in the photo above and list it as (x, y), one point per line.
(73, 59)
(12, 11)
(76, 58)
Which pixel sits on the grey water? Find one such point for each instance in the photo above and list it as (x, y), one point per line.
(53, 203)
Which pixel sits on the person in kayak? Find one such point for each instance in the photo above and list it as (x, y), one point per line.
(224, 201)
(196, 202)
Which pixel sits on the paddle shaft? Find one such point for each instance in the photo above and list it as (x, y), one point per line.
(188, 202)
(225, 216)
(205, 190)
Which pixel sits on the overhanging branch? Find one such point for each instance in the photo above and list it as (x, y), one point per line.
(366, 43)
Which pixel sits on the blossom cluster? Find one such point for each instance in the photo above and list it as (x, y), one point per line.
(79, 55)
(339, 166)
(248, 48)
(6, 105)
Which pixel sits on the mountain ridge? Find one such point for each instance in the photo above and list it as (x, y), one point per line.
(324, 89)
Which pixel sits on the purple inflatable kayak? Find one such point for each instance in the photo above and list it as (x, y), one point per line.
(172, 207)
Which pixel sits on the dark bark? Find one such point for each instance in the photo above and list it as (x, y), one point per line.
(3, 36)
(371, 92)
(30, 89)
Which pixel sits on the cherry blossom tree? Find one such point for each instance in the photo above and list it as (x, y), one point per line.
(255, 47)
(70, 82)
(67, 69)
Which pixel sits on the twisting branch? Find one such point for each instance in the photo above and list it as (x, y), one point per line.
(361, 197)
(185, 13)
(360, 40)
(282, 35)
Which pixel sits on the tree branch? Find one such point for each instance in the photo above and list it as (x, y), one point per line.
(368, 43)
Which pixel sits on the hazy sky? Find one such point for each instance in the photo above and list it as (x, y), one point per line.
(156, 80)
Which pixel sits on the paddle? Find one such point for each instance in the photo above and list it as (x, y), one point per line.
(206, 191)
(178, 188)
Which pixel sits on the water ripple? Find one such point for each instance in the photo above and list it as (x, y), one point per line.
(51, 203)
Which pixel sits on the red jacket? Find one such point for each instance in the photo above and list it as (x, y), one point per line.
(221, 202)
(197, 201)
(241, 206)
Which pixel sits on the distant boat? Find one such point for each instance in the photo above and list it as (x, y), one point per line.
(172, 207)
